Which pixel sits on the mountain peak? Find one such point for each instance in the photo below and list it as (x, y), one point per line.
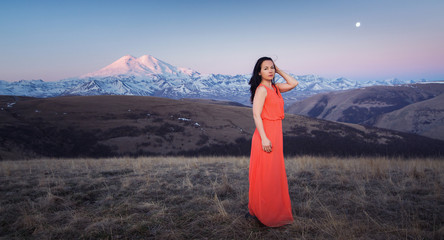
(125, 58)
(146, 56)
(144, 66)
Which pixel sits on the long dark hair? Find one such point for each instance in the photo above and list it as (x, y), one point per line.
(256, 78)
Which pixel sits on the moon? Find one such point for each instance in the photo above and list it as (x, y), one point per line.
(358, 24)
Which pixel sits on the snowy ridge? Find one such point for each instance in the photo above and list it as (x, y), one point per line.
(440, 82)
(149, 76)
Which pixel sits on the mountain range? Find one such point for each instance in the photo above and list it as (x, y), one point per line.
(149, 76)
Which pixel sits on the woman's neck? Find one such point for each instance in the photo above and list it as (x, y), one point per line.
(267, 83)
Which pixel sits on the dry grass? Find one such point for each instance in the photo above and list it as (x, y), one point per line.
(207, 197)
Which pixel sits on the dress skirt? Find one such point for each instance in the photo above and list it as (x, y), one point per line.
(269, 199)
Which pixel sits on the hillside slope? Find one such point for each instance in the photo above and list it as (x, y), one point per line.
(425, 118)
(99, 126)
(380, 106)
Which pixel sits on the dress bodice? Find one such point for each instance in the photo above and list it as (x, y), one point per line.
(274, 104)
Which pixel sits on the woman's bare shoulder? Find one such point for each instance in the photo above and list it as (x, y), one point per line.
(261, 88)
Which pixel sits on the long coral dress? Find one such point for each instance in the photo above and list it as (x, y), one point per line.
(269, 199)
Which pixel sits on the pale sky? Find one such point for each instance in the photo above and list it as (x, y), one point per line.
(53, 40)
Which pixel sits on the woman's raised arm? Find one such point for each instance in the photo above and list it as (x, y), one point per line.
(291, 82)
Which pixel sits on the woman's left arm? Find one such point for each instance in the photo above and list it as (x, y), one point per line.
(291, 82)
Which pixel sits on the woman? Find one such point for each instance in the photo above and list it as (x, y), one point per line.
(269, 200)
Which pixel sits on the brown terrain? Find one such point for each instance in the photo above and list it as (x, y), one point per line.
(104, 126)
(415, 108)
(207, 197)
(347, 193)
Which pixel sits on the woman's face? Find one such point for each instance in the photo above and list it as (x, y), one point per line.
(267, 70)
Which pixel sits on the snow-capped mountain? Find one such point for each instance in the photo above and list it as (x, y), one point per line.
(144, 66)
(149, 76)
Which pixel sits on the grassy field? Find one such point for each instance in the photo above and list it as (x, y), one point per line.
(207, 197)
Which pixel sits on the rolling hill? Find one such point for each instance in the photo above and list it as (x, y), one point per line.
(414, 108)
(103, 126)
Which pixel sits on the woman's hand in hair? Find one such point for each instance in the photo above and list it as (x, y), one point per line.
(277, 70)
